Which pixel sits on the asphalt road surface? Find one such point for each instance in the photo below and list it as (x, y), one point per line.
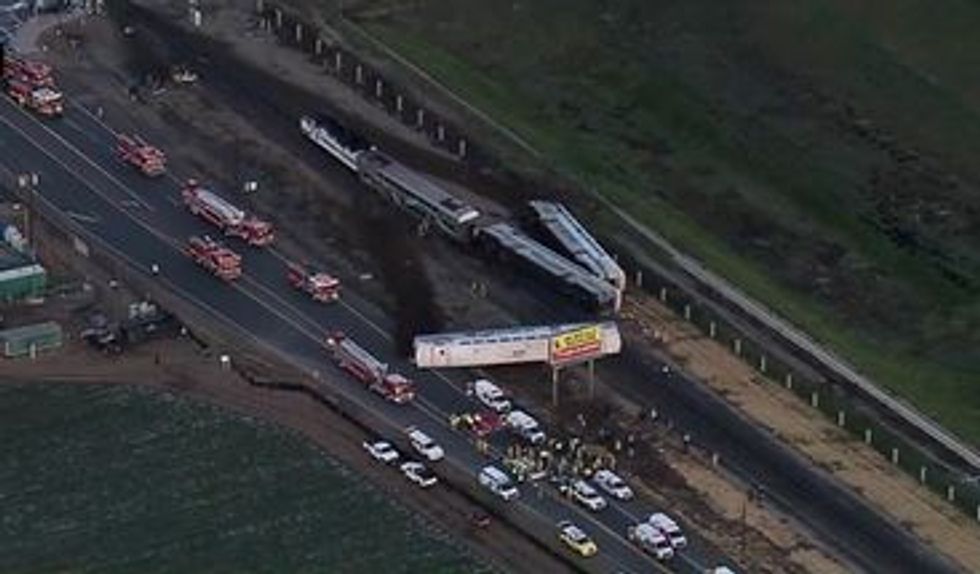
(12, 14)
(142, 222)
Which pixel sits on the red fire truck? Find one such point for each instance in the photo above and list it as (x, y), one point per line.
(230, 219)
(319, 285)
(369, 370)
(215, 257)
(146, 158)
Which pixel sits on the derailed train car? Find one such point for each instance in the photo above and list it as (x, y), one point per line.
(436, 206)
(539, 344)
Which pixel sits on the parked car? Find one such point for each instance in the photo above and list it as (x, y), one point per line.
(612, 484)
(490, 395)
(576, 539)
(498, 482)
(583, 493)
(381, 451)
(424, 445)
(525, 426)
(669, 528)
(651, 540)
(419, 474)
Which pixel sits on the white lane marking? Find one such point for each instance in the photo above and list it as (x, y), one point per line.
(78, 153)
(83, 217)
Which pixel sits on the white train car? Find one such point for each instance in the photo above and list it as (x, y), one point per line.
(419, 194)
(340, 142)
(564, 273)
(577, 240)
(538, 344)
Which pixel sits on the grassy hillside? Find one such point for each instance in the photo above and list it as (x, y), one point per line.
(819, 153)
(104, 479)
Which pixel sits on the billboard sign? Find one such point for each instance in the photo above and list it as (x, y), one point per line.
(579, 344)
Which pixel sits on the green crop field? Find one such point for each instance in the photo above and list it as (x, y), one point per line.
(821, 154)
(105, 479)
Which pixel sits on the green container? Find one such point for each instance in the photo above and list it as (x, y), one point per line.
(30, 339)
(22, 282)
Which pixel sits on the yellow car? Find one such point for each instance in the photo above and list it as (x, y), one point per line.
(576, 539)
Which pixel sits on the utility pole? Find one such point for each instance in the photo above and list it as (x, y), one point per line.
(28, 182)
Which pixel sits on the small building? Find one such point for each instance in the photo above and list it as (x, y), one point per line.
(30, 339)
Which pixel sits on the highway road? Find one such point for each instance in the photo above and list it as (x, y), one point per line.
(12, 13)
(142, 222)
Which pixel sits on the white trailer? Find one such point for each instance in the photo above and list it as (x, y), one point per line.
(515, 345)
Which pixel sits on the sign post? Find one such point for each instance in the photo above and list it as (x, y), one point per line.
(578, 345)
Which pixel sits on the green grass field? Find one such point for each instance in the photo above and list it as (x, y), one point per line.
(821, 154)
(106, 479)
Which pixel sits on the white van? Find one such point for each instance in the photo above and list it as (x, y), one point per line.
(424, 445)
(490, 395)
(498, 482)
(650, 540)
(524, 425)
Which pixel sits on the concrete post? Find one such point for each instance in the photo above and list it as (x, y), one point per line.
(663, 294)
(789, 380)
(639, 278)
(737, 347)
(922, 474)
(867, 436)
(841, 418)
(259, 6)
(420, 118)
(359, 74)
(978, 513)
(687, 312)
(461, 148)
(299, 33)
(399, 103)
(815, 399)
(894, 455)
(712, 329)
(318, 46)
(762, 363)
(378, 89)
(338, 61)
(440, 133)
(951, 493)
(278, 19)
(715, 459)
